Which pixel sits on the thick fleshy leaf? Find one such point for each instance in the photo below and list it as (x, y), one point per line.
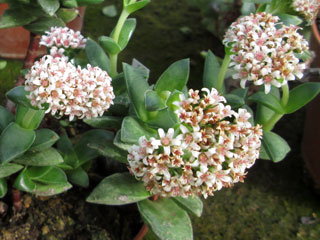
(6, 117)
(263, 153)
(132, 129)
(24, 183)
(136, 85)
(153, 101)
(88, 2)
(18, 96)
(67, 14)
(211, 71)
(47, 175)
(118, 189)
(263, 114)
(191, 205)
(78, 177)
(105, 122)
(96, 55)
(136, 64)
(117, 142)
(234, 100)
(45, 138)
(275, 146)
(69, 3)
(65, 147)
(3, 64)
(14, 17)
(3, 187)
(162, 119)
(126, 32)
(166, 219)
(288, 19)
(46, 157)
(109, 150)
(110, 11)
(29, 118)
(44, 24)
(14, 141)
(82, 149)
(174, 78)
(8, 169)
(268, 100)
(248, 8)
(109, 45)
(49, 6)
(301, 95)
(133, 7)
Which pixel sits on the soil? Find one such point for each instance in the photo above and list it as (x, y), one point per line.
(275, 201)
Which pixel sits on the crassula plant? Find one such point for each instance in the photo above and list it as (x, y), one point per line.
(178, 144)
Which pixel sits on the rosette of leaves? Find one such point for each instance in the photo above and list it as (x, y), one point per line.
(38, 16)
(26, 152)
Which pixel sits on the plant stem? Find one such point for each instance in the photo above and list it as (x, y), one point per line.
(222, 73)
(16, 200)
(113, 64)
(277, 116)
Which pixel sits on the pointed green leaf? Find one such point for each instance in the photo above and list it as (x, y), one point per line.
(153, 101)
(49, 6)
(3, 187)
(110, 11)
(14, 17)
(6, 117)
(162, 119)
(109, 150)
(211, 71)
(46, 157)
(18, 96)
(174, 78)
(263, 114)
(8, 169)
(44, 24)
(78, 177)
(117, 142)
(69, 3)
(190, 204)
(166, 219)
(48, 190)
(67, 15)
(275, 146)
(109, 45)
(29, 118)
(234, 100)
(136, 85)
(3, 64)
(23, 182)
(82, 149)
(288, 19)
(88, 2)
(45, 138)
(105, 122)
(14, 141)
(133, 7)
(118, 189)
(96, 55)
(301, 95)
(65, 147)
(132, 129)
(47, 175)
(267, 100)
(126, 32)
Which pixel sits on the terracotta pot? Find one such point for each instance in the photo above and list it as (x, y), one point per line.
(14, 42)
(311, 136)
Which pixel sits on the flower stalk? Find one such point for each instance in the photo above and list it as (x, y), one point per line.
(223, 71)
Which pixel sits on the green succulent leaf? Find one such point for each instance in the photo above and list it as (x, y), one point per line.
(8, 169)
(47, 175)
(44, 24)
(82, 149)
(288, 19)
(275, 146)
(3, 187)
(96, 55)
(162, 119)
(263, 114)
(14, 141)
(110, 11)
(18, 96)
(3, 64)
(153, 101)
(118, 189)
(67, 14)
(234, 100)
(137, 85)
(166, 219)
(46, 157)
(6, 118)
(88, 2)
(78, 177)
(190, 204)
(132, 129)
(133, 7)
(126, 32)
(49, 6)
(45, 138)
(174, 78)
(24, 183)
(67, 151)
(15, 17)
(69, 3)
(117, 142)
(105, 122)
(109, 45)
(301, 95)
(109, 150)
(211, 71)
(268, 100)
(29, 118)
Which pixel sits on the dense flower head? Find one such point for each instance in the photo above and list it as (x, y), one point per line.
(213, 148)
(263, 53)
(308, 8)
(56, 84)
(63, 37)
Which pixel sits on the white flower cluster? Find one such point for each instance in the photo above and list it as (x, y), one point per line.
(213, 150)
(308, 8)
(56, 84)
(63, 37)
(264, 53)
